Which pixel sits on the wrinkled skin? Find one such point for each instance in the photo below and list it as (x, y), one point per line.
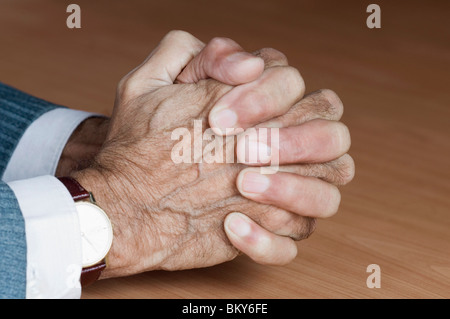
(171, 216)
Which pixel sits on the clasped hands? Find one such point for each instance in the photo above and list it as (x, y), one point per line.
(178, 216)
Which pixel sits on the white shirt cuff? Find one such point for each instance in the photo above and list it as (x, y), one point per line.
(42, 144)
(53, 238)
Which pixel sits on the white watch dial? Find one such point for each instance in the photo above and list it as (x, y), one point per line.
(96, 233)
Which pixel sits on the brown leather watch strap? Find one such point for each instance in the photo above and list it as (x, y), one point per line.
(75, 189)
(91, 274)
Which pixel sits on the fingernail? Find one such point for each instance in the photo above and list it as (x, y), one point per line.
(240, 57)
(222, 117)
(239, 226)
(255, 183)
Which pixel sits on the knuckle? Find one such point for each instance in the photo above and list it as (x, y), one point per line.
(279, 220)
(294, 81)
(126, 87)
(343, 170)
(304, 228)
(220, 42)
(271, 57)
(175, 35)
(122, 84)
(333, 104)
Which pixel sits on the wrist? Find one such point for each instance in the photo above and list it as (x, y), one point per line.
(118, 261)
(83, 145)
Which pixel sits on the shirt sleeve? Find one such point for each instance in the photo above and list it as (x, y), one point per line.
(53, 238)
(40, 148)
(51, 223)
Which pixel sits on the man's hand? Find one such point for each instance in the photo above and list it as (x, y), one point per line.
(311, 141)
(170, 216)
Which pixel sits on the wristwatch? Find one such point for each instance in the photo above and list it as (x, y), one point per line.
(96, 231)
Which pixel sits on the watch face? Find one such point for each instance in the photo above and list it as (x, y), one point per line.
(96, 233)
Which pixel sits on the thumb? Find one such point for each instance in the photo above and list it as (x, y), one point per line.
(225, 61)
(167, 60)
(256, 242)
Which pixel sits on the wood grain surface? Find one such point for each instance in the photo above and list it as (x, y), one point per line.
(394, 83)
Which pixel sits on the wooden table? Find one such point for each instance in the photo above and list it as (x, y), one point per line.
(394, 82)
